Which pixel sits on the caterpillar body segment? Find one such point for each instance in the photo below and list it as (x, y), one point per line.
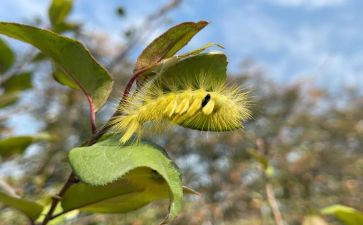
(223, 109)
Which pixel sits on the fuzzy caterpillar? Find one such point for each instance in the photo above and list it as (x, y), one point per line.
(221, 109)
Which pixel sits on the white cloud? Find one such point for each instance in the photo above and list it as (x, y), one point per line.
(309, 3)
(289, 53)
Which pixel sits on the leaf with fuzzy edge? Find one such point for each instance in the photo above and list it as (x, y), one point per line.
(29, 208)
(137, 188)
(69, 55)
(134, 175)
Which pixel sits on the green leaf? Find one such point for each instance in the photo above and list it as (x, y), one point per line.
(168, 62)
(39, 57)
(200, 50)
(212, 66)
(69, 55)
(29, 208)
(8, 99)
(59, 10)
(347, 215)
(63, 79)
(7, 57)
(65, 26)
(137, 188)
(16, 145)
(167, 44)
(18, 82)
(108, 161)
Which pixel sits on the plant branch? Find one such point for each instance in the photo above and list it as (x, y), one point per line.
(263, 148)
(55, 199)
(8, 189)
(96, 135)
(273, 204)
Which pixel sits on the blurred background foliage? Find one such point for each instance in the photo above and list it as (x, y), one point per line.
(301, 152)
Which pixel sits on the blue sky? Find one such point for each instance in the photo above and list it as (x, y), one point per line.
(290, 39)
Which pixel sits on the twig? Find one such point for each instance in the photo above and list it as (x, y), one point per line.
(273, 204)
(263, 148)
(96, 136)
(55, 199)
(8, 189)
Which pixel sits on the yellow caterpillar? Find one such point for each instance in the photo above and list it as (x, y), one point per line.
(207, 108)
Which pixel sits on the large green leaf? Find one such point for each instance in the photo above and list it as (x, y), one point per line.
(163, 65)
(134, 190)
(59, 10)
(347, 215)
(16, 145)
(167, 44)
(29, 208)
(69, 55)
(7, 57)
(108, 161)
(18, 82)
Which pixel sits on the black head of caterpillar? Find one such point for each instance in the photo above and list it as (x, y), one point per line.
(223, 109)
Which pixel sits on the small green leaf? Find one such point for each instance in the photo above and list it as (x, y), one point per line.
(108, 161)
(200, 50)
(7, 57)
(167, 44)
(65, 26)
(69, 55)
(59, 10)
(18, 82)
(16, 145)
(8, 99)
(29, 208)
(347, 215)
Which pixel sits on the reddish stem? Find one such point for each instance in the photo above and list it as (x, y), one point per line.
(55, 199)
(129, 85)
